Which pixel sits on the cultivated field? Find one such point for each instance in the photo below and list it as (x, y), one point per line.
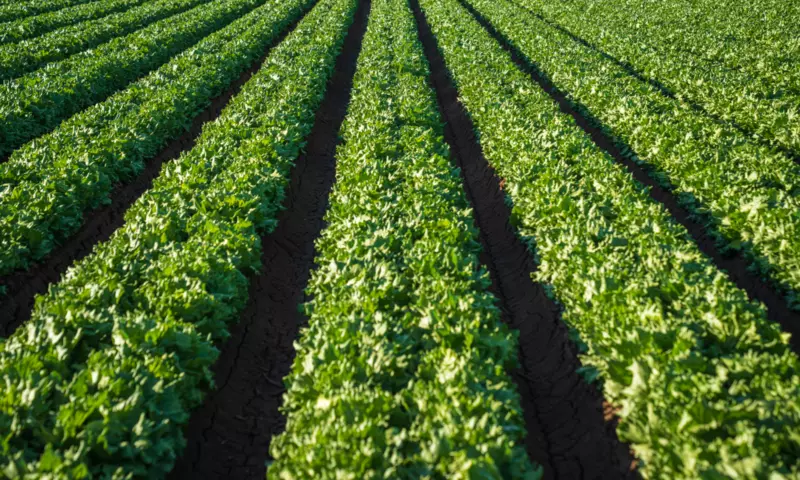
(400, 239)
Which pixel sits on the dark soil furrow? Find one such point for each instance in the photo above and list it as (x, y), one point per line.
(230, 434)
(98, 225)
(735, 264)
(567, 433)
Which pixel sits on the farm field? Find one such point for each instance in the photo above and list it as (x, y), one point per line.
(452, 239)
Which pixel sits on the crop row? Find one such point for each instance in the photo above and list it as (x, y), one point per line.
(759, 38)
(101, 379)
(769, 108)
(747, 194)
(35, 103)
(704, 384)
(15, 10)
(28, 55)
(401, 372)
(729, 33)
(41, 24)
(48, 185)
(766, 44)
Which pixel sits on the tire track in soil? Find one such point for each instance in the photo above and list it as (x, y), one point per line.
(564, 416)
(98, 225)
(230, 434)
(734, 264)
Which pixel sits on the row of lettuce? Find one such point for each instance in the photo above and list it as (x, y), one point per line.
(48, 184)
(758, 38)
(402, 370)
(666, 50)
(704, 384)
(755, 37)
(25, 56)
(747, 195)
(36, 102)
(39, 24)
(101, 379)
(11, 10)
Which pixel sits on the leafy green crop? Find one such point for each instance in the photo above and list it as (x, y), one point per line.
(28, 55)
(48, 185)
(15, 10)
(40, 24)
(401, 372)
(35, 103)
(101, 379)
(759, 38)
(705, 385)
(767, 104)
(748, 195)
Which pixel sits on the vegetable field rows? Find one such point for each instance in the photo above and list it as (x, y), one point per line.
(403, 339)
(28, 55)
(144, 343)
(768, 108)
(746, 193)
(36, 102)
(633, 287)
(107, 143)
(40, 24)
(10, 11)
(758, 39)
(445, 239)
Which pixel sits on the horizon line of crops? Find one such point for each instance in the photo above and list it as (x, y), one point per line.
(35, 103)
(770, 109)
(101, 379)
(746, 195)
(703, 383)
(48, 185)
(15, 10)
(28, 55)
(402, 369)
(18, 30)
